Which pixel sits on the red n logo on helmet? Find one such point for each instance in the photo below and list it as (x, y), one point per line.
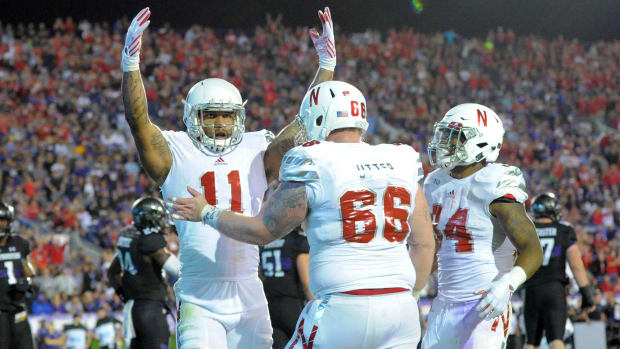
(482, 116)
(314, 96)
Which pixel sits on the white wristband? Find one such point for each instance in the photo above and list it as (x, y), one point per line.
(129, 63)
(516, 277)
(326, 65)
(172, 266)
(209, 215)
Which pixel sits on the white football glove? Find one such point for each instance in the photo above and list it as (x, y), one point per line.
(133, 41)
(496, 298)
(325, 44)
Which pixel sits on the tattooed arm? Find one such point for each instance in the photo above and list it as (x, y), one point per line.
(153, 150)
(521, 232)
(325, 46)
(285, 210)
(285, 140)
(421, 240)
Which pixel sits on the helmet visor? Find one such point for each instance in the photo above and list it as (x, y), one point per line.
(448, 138)
(216, 126)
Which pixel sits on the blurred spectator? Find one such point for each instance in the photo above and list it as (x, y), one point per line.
(107, 330)
(64, 282)
(52, 339)
(74, 305)
(76, 335)
(41, 306)
(598, 314)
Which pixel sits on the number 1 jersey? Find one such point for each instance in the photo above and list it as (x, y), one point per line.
(233, 180)
(474, 249)
(360, 198)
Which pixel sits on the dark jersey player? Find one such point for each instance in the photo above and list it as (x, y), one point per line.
(15, 273)
(284, 263)
(136, 275)
(545, 295)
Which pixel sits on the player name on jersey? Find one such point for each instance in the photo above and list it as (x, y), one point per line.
(544, 232)
(9, 256)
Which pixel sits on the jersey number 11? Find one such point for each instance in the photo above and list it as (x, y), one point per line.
(208, 183)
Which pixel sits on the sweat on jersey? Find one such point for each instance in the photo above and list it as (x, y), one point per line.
(360, 198)
(474, 249)
(234, 180)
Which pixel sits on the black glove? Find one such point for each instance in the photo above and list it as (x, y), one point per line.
(587, 299)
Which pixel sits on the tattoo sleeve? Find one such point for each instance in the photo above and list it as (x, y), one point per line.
(285, 209)
(284, 142)
(155, 155)
(521, 232)
(134, 100)
(322, 75)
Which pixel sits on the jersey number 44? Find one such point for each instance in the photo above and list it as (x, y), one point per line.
(455, 229)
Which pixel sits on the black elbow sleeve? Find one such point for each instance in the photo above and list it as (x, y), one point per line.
(587, 297)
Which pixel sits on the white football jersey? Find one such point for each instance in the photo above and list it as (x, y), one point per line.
(234, 180)
(474, 249)
(360, 198)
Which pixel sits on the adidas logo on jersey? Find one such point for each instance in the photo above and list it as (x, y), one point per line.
(220, 161)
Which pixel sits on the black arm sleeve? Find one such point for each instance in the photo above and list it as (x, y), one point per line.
(587, 298)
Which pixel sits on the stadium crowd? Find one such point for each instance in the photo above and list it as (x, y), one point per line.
(69, 166)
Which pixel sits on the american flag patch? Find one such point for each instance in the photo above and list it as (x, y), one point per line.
(341, 114)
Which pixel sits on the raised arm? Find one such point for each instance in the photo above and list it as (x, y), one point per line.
(325, 46)
(421, 240)
(283, 211)
(155, 156)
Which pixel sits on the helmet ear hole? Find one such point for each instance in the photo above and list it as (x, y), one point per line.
(482, 145)
(319, 120)
(332, 92)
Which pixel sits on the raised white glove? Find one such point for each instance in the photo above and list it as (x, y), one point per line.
(133, 41)
(325, 44)
(496, 298)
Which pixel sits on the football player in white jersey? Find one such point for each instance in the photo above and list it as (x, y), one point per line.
(220, 298)
(362, 204)
(478, 216)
